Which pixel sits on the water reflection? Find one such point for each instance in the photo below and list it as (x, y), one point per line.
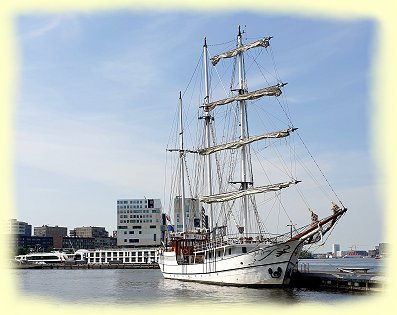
(175, 290)
(145, 287)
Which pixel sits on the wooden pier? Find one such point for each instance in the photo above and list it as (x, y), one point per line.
(350, 280)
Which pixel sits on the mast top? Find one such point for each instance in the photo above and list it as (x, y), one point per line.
(205, 42)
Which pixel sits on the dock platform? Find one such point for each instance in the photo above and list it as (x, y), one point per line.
(88, 266)
(350, 280)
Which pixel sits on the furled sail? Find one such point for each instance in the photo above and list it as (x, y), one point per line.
(237, 144)
(264, 42)
(250, 191)
(273, 90)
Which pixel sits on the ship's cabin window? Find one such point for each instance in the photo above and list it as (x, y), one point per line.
(219, 254)
(244, 249)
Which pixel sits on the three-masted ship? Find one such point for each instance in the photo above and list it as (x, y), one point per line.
(217, 245)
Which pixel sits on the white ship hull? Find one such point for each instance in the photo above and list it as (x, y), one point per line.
(266, 265)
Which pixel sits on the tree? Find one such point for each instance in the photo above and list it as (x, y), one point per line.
(22, 251)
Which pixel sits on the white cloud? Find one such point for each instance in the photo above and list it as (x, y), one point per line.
(90, 149)
(40, 26)
(40, 29)
(65, 140)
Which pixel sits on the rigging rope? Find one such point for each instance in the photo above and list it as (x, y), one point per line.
(307, 149)
(188, 179)
(224, 43)
(315, 162)
(194, 72)
(290, 121)
(261, 226)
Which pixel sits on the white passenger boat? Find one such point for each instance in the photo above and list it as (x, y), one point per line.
(42, 258)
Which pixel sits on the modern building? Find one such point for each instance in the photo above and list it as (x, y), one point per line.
(80, 242)
(46, 230)
(56, 232)
(89, 231)
(372, 253)
(16, 227)
(75, 242)
(139, 222)
(105, 242)
(35, 243)
(123, 256)
(194, 217)
(335, 250)
(383, 249)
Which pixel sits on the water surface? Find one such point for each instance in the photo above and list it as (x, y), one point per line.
(137, 286)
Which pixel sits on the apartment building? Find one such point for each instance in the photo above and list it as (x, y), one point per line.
(139, 222)
(16, 227)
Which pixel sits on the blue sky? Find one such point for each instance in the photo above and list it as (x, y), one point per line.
(97, 94)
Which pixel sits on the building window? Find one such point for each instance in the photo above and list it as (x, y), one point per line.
(154, 237)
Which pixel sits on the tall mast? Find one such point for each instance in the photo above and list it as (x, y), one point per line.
(182, 163)
(207, 129)
(243, 133)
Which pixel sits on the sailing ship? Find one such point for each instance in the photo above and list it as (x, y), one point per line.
(218, 236)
